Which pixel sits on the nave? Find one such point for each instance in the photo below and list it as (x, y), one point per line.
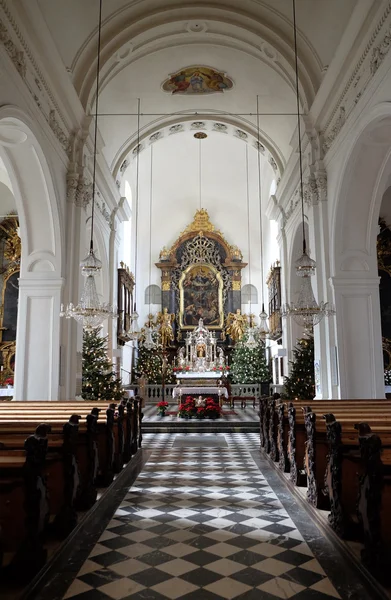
(206, 518)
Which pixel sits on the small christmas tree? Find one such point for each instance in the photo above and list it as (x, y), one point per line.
(301, 381)
(249, 364)
(99, 381)
(387, 377)
(150, 362)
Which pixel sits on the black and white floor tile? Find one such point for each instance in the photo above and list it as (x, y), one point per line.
(201, 523)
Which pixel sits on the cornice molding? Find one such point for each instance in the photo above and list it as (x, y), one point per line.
(23, 60)
(314, 191)
(373, 54)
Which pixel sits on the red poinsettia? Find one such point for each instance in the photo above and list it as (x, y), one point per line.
(162, 404)
(9, 381)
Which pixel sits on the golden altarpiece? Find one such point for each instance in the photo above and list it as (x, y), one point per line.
(10, 252)
(201, 277)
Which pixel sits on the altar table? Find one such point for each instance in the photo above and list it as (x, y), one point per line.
(7, 392)
(199, 390)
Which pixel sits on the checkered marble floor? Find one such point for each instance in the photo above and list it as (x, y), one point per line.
(201, 523)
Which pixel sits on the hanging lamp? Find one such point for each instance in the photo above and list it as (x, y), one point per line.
(90, 312)
(263, 326)
(250, 339)
(306, 311)
(134, 331)
(149, 343)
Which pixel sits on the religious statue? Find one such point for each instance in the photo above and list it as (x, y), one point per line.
(150, 321)
(221, 359)
(166, 332)
(236, 325)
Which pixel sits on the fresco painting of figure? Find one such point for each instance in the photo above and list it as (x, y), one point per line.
(197, 80)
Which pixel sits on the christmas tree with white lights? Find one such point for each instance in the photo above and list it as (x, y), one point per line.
(99, 381)
(150, 362)
(249, 363)
(387, 377)
(301, 381)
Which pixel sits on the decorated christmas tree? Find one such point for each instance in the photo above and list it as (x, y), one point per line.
(249, 363)
(150, 362)
(387, 377)
(99, 382)
(301, 381)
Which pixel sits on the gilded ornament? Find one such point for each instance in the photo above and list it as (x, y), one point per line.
(165, 320)
(166, 286)
(236, 286)
(236, 325)
(164, 254)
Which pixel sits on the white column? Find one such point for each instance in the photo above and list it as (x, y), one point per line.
(360, 356)
(322, 342)
(38, 339)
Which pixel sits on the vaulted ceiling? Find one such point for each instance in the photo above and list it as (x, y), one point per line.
(143, 41)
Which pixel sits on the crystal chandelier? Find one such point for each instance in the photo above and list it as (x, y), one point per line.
(263, 325)
(90, 312)
(134, 329)
(306, 311)
(149, 342)
(250, 341)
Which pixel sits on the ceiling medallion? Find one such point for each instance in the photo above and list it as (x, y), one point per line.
(197, 79)
(200, 135)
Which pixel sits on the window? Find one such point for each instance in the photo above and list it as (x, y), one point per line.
(249, 294)
(153, 295)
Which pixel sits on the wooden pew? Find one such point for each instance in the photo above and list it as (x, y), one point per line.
(84, 442)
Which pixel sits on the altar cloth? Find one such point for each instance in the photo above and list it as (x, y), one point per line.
(7, 391)
(200, 375)
(196, 391)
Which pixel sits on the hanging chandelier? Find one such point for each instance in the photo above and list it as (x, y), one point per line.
(90, 312)
(150, 330)
(263, 329)
(134, 330)
(250, 341)
(306, 311)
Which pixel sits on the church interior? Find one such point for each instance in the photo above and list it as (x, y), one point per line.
(195, 299)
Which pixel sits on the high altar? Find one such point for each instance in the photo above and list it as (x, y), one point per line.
(201, 278)
(201, 284)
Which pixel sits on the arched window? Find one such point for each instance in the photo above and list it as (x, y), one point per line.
(249, 294)
(153, 295)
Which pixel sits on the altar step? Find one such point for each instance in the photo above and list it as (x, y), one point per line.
(190, 426)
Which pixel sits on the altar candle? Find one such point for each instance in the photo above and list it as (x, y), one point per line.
(1, 368)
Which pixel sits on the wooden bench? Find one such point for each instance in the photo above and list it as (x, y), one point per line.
(53, 456)
(342, 451)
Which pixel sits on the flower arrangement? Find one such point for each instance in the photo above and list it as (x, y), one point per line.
(188, 409)
(162, 407)
(9, 381)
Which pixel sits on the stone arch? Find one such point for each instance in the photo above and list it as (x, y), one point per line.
(364, 177)
(40, 284)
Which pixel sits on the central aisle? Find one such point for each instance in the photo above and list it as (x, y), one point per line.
(201, 522)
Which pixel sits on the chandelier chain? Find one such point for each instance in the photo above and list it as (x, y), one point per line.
(96, 123)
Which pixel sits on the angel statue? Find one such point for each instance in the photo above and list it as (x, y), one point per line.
(165, 320)
(236, 325)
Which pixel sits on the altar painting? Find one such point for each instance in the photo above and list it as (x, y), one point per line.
(201, 297)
